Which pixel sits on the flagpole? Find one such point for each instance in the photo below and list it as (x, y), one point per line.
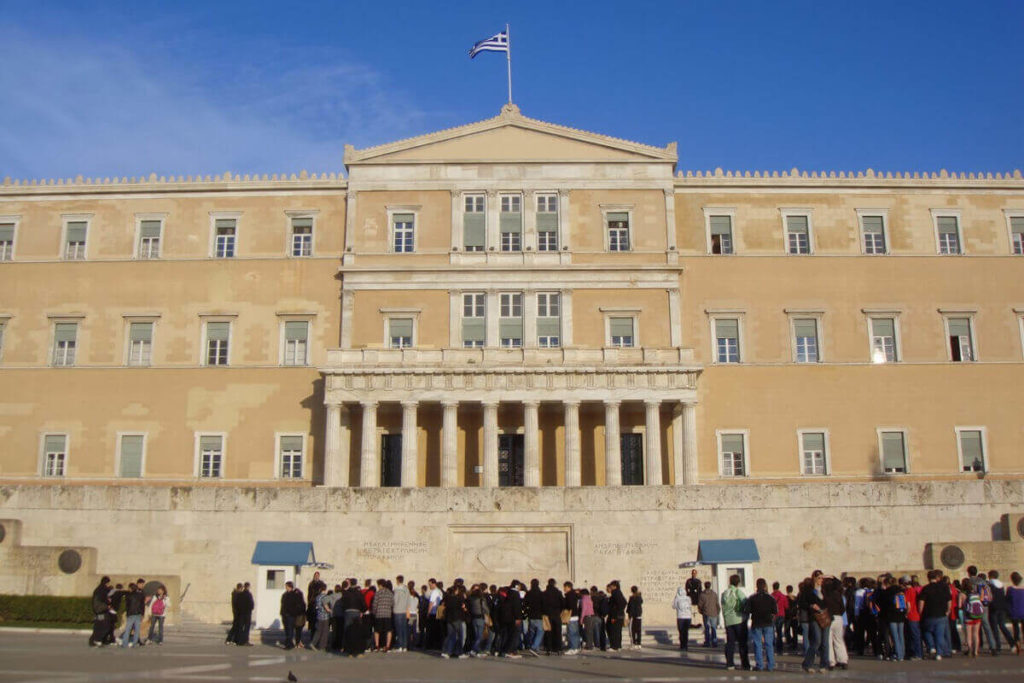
(508, 56)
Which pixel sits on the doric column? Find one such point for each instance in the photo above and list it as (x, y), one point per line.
(490, 478)
(652, 410)
(410, 453)
(332, 447)
(573, 475)
(531, 456)
(690, 474)
(449, 444)
(369, 465)
(612, 445)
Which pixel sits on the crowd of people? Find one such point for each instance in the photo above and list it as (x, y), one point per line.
(140, 611)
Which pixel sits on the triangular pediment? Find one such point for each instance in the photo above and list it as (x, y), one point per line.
(510, 138)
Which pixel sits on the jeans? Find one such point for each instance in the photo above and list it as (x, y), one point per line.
(683, 626)
(913, 636)
(986, 628)
(322, 639)
(132, 628)
(592, 631)
(898, 645)
(816, 643)
(156, 626)
(780, 629)
(836, 643)
(401, 630)
(764, 646)
(573, 634)
(931, 632)
(997, 620)
(710, 631)
(481, 640)
(535, 636)
(736, 637)
(453, 643)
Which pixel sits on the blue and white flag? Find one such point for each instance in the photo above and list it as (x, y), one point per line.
(496, 43)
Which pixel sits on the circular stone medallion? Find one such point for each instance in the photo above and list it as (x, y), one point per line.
(952, 557)
(70, 561)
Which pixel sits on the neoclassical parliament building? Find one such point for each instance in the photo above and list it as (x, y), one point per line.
(508, 341)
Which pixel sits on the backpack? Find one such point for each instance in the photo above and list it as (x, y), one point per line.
(157, 608)
(975, 608)
(869, 600)
(984, 593)
(900, 600)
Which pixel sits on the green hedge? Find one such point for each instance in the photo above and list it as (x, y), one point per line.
(46, 608)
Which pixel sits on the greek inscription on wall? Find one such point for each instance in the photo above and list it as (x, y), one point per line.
(390, 550)
(659, 586)
(625, 548)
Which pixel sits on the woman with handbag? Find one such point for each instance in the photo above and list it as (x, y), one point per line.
(812, 600)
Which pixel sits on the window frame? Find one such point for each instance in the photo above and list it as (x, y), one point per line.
(117, 456)
(548, 294)
(632, 313)
(128, 321)
(958, 430)
(818, 317)
(463, 316)
(788, 212)
(466, 196)
(709, 212)
(826, 456)
(401, 314)
(198, 461)
(14, 219)
(512, 294)
(279, 457)
(948, 315)
(225, 215)
(145, 217)
(869, 316)
(884, 214)
(719, 453)
(75, 218)
(392, 211)
(738, 316)
(283, 321)
(1008, 215)
(290, 216)
(548, 195)
(57, 320)
(42, 464)
(205, 349)
(879, 431)
(949, 213)
(628, 209)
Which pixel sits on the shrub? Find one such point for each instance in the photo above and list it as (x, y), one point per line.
(46, 608)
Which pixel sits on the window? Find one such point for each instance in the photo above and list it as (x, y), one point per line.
(547, 222)
(474, 222)
(3, 328)
(74, 239)
(812, 453)
(130, 455)
(893, 447)
(302, 236)
(55, 455)
(275, 579)
(140, 343)
(805, 336)
(549, 319)
(620, 331)
(403, 231)
(618, 230)
(947, 230)
(290, 456)
(218, 336)
(224, 241)
(65, 339)
(798, 234)
(733, 455)
(873, 233)
(6, 241)
(149, 238)
(510, 222)
(727, 340)
(971, 446)
(961, 343)
(510, 321)
(883, 340)
(721, 234)
(296, 342)
(474, 319)
(399, 333)
(1016, 235)
(211, 456)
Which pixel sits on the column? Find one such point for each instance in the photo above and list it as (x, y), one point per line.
(652, 410)
(449, 445)
(333, 475)
(612, 445)
(369, 464)
(573, 475)
(490, 478)
(690, 475)
(531, 456)
(677, 443)
(410, 452)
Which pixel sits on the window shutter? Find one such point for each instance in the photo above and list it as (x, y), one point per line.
(872, 224)
(721, 225)
(403, 218)
(131, 456)
(796, 224)
(291, 443)
(149, 229)
(6, 232)
(732, 443)
(618, 217)
(805, 327)
(548, 327)
(141, 332)
(959, 327)
(54, 443)
(727, 328)
(893, 453)
(65, 332)
(474, 229)
(225, 223)
(218, 331)
(814, 441)
(302, 222)
(295, 330)
(510, 328)
(76, 231)
(1016, 225)
(209, 443)
(947, 224)
(511, 221)
(400, 327)
(970, 446)
(883, 327)
(547, 221)
(473, 329)
(621, 327)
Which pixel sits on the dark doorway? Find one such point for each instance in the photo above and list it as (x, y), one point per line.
(391, 460)
(510, 460)
(632, 446)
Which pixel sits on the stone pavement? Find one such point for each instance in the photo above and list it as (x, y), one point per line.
(202, 656)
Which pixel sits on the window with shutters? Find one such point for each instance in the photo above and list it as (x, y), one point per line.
(474, 319)
(510, 319)
(806, 346)
(140, 343)
(961, 340)
(55, 455)
(621, 331)
(210, 456)
(403, 232)
(617, 225)
(130, 455)
(798, 232)
(971, 449)
(720, 230)
(510, 222)
(150, 230)
(474, 222)
(7, 229)
(75, 233)
(813, 453)
(872, 230)
(947, 232)
(883, 340)
(892, 447)
(290, 448)
(549, 319)
(302, 236)
(218, 338)
(732, 454)
(296, 342)
(1016, 224)
(727, 339)
(65, 341)
(400, 333)
(225, 233)
(547, 222)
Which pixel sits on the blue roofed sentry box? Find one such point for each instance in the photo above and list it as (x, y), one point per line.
(718, 551)
(283, 553)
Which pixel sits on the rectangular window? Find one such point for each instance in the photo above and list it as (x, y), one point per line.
(721, 234)
(6, 241)
(55, 455)
(131, 455)
(727, 340)
(894, 452)
(972, 450)
(883, 340)
(510, 222)
(403, 227)
(74, 240)
(812, 453)
(873, 231)
(474, 222)
(224, 245)
(399, 333)
(510, 321)
(211, 456)
(618, 230)
(547, 222)
(296, 342)
(949, 234)
(302, 236)
(65, 339)
(961, 345)
(620, 332)
(798, 235)
(149, 238)
(474, 319)
(290, 457)
(631, 450)
(733, 455)
(218, 337)
(390, 460)
(549, 321)
(805, 333)
(1016, 234)
(140, 343)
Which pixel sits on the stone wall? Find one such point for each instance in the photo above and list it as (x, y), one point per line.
(639, 535)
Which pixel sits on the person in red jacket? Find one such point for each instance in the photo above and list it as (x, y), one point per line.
(911, 589)
(782, 602)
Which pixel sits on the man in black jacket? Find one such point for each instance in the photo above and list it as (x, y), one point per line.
(134, 608)
(233, 633)
(554, 602)
(292, 607)
(246, 604)
(102, 623)
(313, 591)
(533, 603)
(763, 609)
(616, 615)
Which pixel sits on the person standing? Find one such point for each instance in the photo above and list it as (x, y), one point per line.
(812, 604)
(100, 611)
(589, 620)
(933, 604)
(734, 605)
(455, 617)
(533, 603)
(246, 604)
(684, 616)
(763, 609)
(999, 612)
(292, 607)
(574, 609)
(1015, 600)
(616, 615)
(134, 607)
(554, 602)
(158, 606)
(233, 631)
(781, 605)
(834, 602)
(324, 608)
(693, 587)
(635, 613)
(383, 615)
(400, 613)
(313, 591)
(892, 612)
(710, 609)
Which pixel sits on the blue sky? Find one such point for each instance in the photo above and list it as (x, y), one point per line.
(129, 88)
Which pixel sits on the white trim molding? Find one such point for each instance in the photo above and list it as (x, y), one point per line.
(953, 213)
(886, 238)
(827, 447)
(745, 433)
(958, 430)
(879, 431)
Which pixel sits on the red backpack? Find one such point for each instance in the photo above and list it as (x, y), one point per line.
(157, 608)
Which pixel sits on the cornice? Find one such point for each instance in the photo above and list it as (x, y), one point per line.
(869, 178)
(216, 183)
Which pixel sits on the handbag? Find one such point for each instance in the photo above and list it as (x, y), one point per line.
(300, 621)
(488, 622)
(546, 623)
(440, 612)
(823, 618)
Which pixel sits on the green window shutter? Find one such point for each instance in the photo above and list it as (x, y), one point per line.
(721, 225)
(727, 329)
(54, 443)
(1016, 225)
(959, 327)
(893, 452)
(295, 330)
(403, 218)
(547, 222)
(510, 328)
(548, 327)
(400, 327)
(618, 217)
(209, 443)
(732, 443)
(796, 224)
(805, 327)
(511, 222)
(65, 332)
(474, 229)
(131, 455)
(141, 332)
(872, 224)
(473, 329)
(224, 223)
(621, 327)
(814, 441)
(970, 446)
(6, 232)
(947, 224)
(302, 222)
(291, 443)
(149, 229)
(218, 331)
(883, 327)
(76, 231)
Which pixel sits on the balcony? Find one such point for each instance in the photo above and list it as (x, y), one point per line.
(508, 358)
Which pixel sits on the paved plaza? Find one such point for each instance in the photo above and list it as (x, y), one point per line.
(201, 656)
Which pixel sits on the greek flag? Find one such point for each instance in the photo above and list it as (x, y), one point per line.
(496, 43)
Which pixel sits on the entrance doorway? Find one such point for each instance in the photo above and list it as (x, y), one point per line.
(391, 460)
(510, 460)
(632, 449)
